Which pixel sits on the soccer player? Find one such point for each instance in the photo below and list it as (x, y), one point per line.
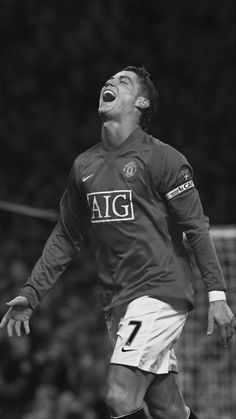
(135, 195)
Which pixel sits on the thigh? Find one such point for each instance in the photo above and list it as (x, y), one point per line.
(164, 393)
(130, 381)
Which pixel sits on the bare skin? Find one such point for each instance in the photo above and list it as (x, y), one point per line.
(126, 388)
(121, 116)
(17, 317)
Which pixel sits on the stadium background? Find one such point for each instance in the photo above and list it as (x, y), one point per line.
(55, 57)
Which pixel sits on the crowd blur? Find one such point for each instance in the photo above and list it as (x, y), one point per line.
(59, 370)
(55, 56)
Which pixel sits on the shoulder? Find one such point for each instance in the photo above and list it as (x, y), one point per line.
(163, 154)
(87, 155)
(81, 161)
(165, 150)
(85, 158)
(167, 166)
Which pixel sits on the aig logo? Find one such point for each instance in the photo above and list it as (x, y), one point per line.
(110, 206)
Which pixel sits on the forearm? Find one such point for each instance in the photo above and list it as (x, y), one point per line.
(206, 258)
(188, 213)
(58, 252)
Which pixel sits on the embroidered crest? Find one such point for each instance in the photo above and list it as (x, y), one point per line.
(184, 175)
(130, 169)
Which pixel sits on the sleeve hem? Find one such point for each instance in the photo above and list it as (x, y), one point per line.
(31, 295)
(216, 296)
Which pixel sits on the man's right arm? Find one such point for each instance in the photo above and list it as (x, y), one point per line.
(63, 244)
(57, 254)
(60, 249)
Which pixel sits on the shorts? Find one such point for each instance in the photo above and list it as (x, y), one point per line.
(145, 336)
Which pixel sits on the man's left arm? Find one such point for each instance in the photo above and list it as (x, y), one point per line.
(187, 211)
(174, 179)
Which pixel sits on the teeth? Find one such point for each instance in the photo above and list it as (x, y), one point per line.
(109, 95)
(109, 91)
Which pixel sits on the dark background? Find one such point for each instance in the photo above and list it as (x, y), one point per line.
(55, 56)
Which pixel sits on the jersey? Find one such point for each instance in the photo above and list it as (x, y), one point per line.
(135, 200)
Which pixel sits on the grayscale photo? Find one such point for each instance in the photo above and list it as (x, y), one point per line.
(117, 209)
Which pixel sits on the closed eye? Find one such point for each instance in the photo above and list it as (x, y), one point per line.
(125, 80)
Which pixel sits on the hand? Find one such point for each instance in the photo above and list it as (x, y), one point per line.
(18, 314)
(220, 313)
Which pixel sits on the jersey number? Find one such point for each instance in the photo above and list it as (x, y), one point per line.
(137, 325)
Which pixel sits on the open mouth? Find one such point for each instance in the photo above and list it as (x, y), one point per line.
(108, 95)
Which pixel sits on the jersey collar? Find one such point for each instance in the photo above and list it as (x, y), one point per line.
(135, 136)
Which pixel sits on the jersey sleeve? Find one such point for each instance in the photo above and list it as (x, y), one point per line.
(176, 174)
(74, 209)
(61, 247)
(176, 185)
(57, 254)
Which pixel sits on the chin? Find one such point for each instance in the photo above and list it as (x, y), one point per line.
(105, 113)
(101, 113)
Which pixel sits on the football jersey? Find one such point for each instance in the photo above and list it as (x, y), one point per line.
(135, 201)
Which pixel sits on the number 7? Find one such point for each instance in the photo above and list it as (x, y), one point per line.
(137, 325)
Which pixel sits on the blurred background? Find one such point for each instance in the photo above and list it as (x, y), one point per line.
(55, 57)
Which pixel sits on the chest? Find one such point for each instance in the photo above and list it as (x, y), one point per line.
(114, 186)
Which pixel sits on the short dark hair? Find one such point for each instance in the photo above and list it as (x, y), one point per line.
(150, 92)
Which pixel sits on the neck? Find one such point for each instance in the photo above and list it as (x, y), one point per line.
(113, 133)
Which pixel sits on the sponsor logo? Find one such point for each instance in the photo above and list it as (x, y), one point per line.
(109, 206)
(84, 178)
(180, 189)
(130, 169)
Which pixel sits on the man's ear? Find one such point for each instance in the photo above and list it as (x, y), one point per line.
(142, 102)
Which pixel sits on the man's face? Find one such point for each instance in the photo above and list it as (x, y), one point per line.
(119, 95)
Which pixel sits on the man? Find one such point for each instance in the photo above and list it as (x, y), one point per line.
(136, 197)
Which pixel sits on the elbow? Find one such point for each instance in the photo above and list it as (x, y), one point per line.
(197, 229)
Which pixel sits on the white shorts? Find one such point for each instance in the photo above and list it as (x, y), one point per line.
(146, 335)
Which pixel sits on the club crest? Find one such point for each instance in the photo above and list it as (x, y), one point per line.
(184, 175)
(130, 169)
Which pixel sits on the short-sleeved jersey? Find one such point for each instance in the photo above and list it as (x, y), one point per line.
(135, 200)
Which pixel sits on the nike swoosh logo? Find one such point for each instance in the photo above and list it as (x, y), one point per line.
(84, 178)
(127, 350)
